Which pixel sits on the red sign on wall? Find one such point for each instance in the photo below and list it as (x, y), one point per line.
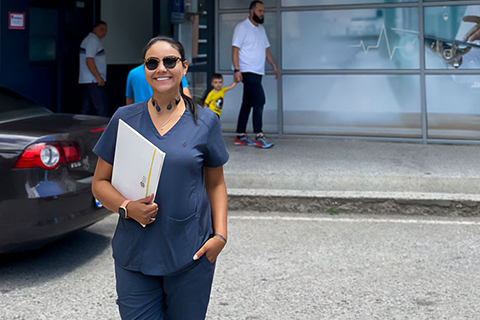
(16, 20)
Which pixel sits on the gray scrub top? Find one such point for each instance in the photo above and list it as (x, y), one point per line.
(184, 220)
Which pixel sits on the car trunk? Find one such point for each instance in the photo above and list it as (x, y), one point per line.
(84, 130)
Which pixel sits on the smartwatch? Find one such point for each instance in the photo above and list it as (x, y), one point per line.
(236, 70)
(122, 210)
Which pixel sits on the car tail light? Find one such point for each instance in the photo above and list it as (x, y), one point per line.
(48, 155)
(71, 152)
(98, 129)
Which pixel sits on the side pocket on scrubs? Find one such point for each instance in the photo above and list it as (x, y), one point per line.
(182, 238)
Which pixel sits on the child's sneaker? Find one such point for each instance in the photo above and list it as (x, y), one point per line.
(243, 141)
(261, 142)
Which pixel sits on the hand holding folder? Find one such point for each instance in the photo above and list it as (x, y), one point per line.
(138, 164)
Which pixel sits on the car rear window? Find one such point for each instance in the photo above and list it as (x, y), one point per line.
(14, 106)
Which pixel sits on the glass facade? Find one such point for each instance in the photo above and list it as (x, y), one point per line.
(292, 3)
(453, 106)
(385, 69)
(348, 105)
(242, 4)
(233, 100)
(447, 33)
(351, 39)
(227, 23)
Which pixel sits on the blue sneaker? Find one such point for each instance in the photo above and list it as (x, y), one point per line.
(243, 141)
(261, 142)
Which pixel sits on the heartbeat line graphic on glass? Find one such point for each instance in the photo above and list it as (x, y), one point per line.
(391, 52)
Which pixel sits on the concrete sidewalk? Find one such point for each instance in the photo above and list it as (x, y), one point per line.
(335, 175)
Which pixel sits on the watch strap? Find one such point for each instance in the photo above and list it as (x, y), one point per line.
(124, 205)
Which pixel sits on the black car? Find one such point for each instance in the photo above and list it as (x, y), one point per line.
(46, 171)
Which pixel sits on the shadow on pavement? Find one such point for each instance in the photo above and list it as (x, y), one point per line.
(39, 266)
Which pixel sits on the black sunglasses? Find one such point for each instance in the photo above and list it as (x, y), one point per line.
(169, 62)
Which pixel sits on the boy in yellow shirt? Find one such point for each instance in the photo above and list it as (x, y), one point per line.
(214, 100)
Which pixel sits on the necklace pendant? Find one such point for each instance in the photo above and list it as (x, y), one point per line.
(158, 108)
(169, 107)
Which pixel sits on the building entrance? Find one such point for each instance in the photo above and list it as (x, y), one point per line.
(40, 59)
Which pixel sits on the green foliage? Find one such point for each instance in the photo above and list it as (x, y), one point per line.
(332, 211)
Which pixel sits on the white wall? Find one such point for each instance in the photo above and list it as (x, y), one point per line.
(129, 29)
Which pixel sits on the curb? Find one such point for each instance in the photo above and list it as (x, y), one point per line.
(333, 202)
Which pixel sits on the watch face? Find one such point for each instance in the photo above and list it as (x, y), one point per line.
(123, 212)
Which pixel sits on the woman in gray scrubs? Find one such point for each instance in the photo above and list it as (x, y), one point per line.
(165, 269)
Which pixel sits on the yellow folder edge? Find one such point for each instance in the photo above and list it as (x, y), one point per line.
(150, 173)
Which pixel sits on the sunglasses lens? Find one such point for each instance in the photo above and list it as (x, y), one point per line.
(169, 62)
(151, 64)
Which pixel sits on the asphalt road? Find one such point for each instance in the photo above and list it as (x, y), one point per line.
(276, 266)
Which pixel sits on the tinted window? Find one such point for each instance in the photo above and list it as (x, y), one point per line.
(43, 34)
(351, 39)
(13, 106)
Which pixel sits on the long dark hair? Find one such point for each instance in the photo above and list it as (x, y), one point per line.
(192, 106)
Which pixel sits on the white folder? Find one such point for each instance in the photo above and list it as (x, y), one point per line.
(137, 165)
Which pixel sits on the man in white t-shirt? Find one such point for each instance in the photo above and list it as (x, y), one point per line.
(250, 48)
(93, 72)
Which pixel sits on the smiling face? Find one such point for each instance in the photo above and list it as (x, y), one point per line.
(164, 80)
